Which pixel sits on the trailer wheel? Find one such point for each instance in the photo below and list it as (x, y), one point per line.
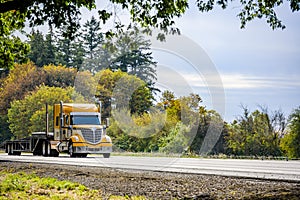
(9, 149)
(46, 148)
(17, 153)
(106, 155)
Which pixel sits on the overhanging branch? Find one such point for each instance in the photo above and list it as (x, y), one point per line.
(21, 5)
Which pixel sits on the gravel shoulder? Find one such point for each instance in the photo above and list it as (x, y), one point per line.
(157, 185)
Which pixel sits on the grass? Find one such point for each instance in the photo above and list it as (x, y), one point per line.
(29, 186)
(126, 198)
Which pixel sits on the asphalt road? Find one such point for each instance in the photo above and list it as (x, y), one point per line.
(262, 169)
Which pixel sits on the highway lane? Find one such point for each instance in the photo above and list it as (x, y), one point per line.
(263, 169)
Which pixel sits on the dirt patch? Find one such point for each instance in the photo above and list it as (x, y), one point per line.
(157, 185)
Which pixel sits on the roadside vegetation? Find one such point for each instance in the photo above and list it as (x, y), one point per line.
(29, 186)
(20, 185)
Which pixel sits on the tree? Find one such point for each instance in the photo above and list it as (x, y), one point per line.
(290, 143)
(188, 124)
(208, 127)
(64, 49)
(176, 141)
(37, 52)
(69, 51)
(42, 48)
(167, 98)
(5, 133)
(59, 76)
(131, 53)
(50, 48)
(12, 49)
(106, 80)
(253, 134)
(25, 78)
(22, 78)
(57, 13)
(24, 113)
(125, 90)
(86, 85)
(92, 38)
(78, 53)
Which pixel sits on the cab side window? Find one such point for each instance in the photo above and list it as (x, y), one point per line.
(67, 120)
(56, 121)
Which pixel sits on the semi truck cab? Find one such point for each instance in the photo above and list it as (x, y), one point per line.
(79, 130)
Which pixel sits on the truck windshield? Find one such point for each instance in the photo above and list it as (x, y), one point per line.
(85, 120)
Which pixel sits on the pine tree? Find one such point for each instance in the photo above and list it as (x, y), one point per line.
(49, 48)
(63, 54)
(77, 57)
(132, 55)
(92, 41)
(69, 52)
(37, 52)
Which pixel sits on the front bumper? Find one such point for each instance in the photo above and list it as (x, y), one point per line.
(96, 150)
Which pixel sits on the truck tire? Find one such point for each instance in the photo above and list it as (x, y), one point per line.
(54, 153)
(71, 150)
(46, 148)
(9, 149)
(106, 155)
(83, 155)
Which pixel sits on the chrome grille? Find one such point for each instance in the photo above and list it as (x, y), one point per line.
(91, 135)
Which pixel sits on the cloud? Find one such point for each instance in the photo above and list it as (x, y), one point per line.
(234, 81)
(242, 81)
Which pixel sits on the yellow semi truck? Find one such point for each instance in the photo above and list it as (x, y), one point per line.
(77, 130)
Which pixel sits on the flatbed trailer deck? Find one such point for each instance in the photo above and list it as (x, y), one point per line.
(37, 144)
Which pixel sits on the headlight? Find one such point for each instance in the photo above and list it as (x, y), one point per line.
(108, 138)
(76, 138)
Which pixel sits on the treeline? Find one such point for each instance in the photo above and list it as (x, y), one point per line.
(120, 72)
(171, 125)
(91, 50)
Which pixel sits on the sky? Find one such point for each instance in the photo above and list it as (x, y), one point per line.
(258, 66)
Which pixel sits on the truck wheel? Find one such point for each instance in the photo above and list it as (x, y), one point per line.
(46, 148)
(54, 153)
(71, 150)
(106, 155)
(83, 155)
